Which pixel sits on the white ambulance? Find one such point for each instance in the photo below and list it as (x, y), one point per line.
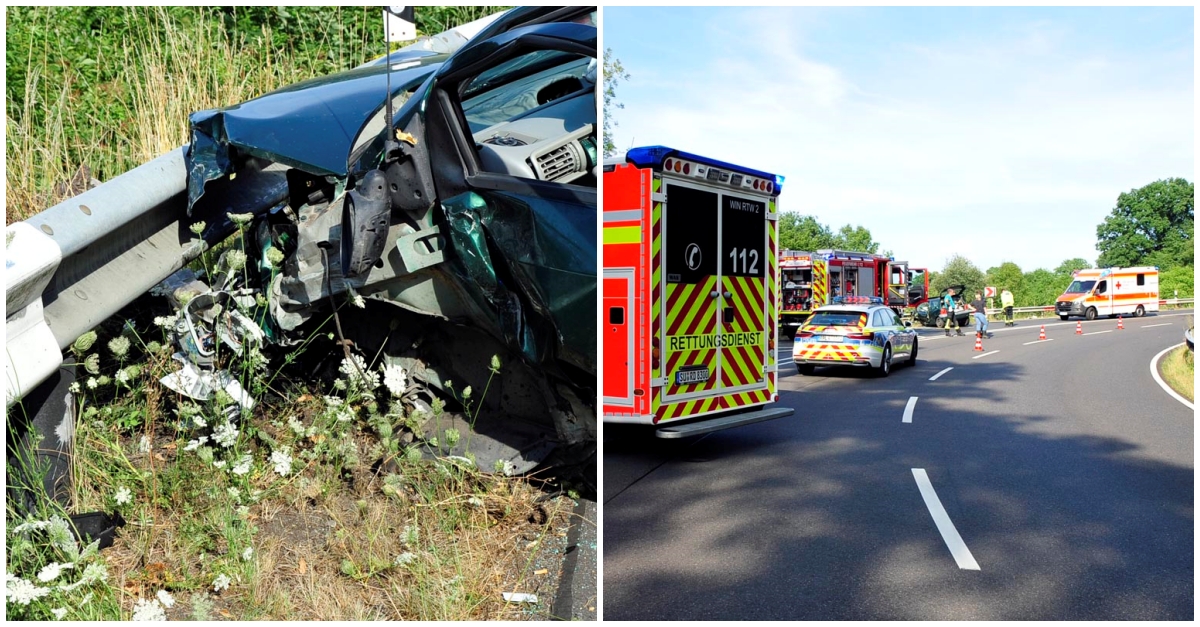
(1110, 292)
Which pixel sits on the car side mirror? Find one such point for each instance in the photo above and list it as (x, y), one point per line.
(908, 324)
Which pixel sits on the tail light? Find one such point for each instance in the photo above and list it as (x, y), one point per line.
(804, 334)
(858, 336)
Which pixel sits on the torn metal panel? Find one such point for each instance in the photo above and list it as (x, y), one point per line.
(542, 288)
(310, 125)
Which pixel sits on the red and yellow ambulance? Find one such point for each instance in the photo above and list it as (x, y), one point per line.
(1109, 292)
(690, 292)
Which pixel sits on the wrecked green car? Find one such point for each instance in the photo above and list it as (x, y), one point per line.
(439, 206)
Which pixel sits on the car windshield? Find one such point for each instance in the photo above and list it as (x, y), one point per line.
(836, 318)
(516, 87)
(1079, 287)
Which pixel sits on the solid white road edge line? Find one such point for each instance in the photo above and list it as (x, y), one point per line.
(935, 377)
(1098, 332)
(1049, 339)
(986, 354)
(908, 409)
(954, 542)
(1151, 326)
(1163, 384)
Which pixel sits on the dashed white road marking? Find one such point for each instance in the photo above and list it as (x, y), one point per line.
(1162, 324)
(935, 377)
(908, 409)
(1098, 332)
(954, 542)
(1049, 339)
(986, 354)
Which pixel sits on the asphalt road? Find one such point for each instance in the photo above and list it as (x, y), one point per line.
(1064, 469)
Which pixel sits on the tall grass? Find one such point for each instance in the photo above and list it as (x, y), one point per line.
(92, 92)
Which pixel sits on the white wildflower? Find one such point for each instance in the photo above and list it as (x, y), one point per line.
(148, 610)
(241, 219)
(248, 554)
(243, 465)
(339, 384)
(410, 535)
(166, 599)
(225, 434)
(52, 570)
(195, 444)
(357, 373)
(33, 525)
(235, 260)
(92, 383)
(198, 421)
(234, 493)
(166, 322)
(405, 558)
(467, 392)
(333, 401)
(122, 376)
(282, 461)
(274, 256)
(119, 346)
(220, 463)
(345, 415)
(123, 496)
(296, 426)
(59, 613)
(92, 573)
(221, 582)
(144, 445)
(18, 590)
(395, 379)
(75, 387)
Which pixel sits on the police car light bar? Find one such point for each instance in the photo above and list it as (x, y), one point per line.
(661, 158)
(857, 300)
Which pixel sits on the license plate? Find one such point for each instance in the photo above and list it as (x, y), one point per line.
(692, 375)
(829, 338)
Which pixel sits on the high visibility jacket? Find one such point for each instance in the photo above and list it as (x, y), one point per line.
(1006, 298)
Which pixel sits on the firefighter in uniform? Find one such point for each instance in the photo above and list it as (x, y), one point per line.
(1006, 301)
(950, 306)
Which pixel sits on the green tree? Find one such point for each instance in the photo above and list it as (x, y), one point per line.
(614, 73)
(856, 239)
(1008, 276)
(1179, 278)
(801, 232)
(1069, 266)
(1039, 288)
(1152, 225)
(958, 271)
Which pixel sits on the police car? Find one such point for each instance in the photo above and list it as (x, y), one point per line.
(854, 331)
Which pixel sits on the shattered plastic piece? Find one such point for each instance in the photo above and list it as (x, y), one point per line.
(519, 597)
(201, 385)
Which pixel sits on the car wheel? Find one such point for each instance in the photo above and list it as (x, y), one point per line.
(1090, 314)
(805, 369)
(912, 356)
(1063, 318)
(885, 363)
(1139, 312)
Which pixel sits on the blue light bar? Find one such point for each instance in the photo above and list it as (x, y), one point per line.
(857, 300)
(654, 156)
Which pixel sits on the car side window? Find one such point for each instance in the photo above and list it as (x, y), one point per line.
(877, 320)
(534, 116)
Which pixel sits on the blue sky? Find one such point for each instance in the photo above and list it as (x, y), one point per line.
(1002, 134)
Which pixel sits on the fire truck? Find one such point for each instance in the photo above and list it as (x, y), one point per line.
(907, 287)
(812, 279)
(690, 292)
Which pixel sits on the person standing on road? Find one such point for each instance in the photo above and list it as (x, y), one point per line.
(949, 307)
(981, 321)
(1006, 301)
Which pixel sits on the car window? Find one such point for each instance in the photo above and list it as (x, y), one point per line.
(519, 85)
(835, 318)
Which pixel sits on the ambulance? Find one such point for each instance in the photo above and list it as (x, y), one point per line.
(813, 279)
(690, 292)
(1109, 292)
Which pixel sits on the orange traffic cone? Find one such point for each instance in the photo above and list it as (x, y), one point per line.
(1042, 335)
(1120, 325)
(1079, 328)
(979, 342)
